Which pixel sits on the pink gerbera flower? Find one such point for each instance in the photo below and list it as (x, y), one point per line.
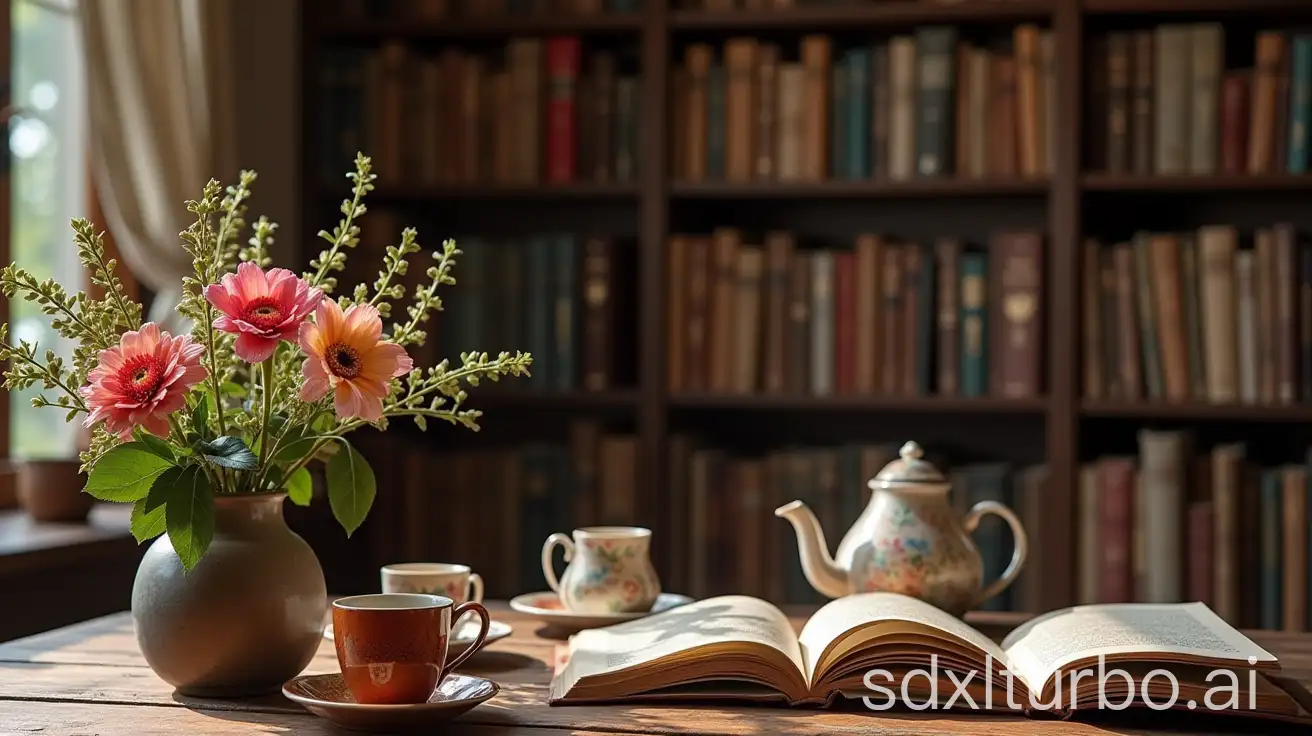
(261, 308)
(143, 380)
(346, 353)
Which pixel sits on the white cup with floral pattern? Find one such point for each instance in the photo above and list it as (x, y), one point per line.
(448, 579)
(609, 570)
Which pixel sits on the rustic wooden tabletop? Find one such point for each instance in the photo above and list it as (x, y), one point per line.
(89, 678)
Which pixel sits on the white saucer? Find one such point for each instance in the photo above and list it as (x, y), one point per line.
(547, 608)
(463, 636)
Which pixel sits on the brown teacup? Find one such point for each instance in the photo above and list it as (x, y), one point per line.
(392, 647)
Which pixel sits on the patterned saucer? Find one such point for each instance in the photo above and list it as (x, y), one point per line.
(547, 608)
(327, 696)
(462, 637)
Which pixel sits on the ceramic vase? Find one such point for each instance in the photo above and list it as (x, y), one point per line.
(247, 618)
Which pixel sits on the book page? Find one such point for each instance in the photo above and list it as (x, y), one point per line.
(1039, 648)
(725, 619)
(847, 613)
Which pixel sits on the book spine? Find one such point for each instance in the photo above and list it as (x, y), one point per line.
(1118, 103)
(822, 323)
(1190, 286)
(677, 310)
(600, 139)
(797, 377)
(1198, 587)
(1017, 289)
(838, 119)
(696, 357)
(1116, 578)
(1091, 313)
(627, 122)
(1004, 160)
(767, 103)
(1162, 509)
(1226, 479)
(1294, 541)
(1026, 42)
(1286, 274)
(912, 269)
(1265, 102)
(788, 154)
(1305, 323)
(1247, 330)
(1300, 104)
(698, 59)
(815, 54)
(926, 321)
(948, 252)
(1130, 345)
(740, 59)
(1090, 549)
(598, 315)
(845, 327)
(1208, 51)
(562, 72)
(891, 309)
(880, 110)
(1218, 245)
(1172, 87)
(936, 52)
(778, 257)
(1264, 249)
(1144, 288)
(565, 313)
(974, 324)
(857, 128)
(869, 258)
(902, 139)
(1142, 117)
(724, 285)
(1269, 573)
(1234, 121)
(747, 316)
(715, 122)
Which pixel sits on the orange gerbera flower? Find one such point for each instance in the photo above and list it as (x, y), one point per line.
(346, 353)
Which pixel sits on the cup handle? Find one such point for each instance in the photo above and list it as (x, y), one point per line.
(1008, 576)
(474, 591)
(548, 569)
(478, 610)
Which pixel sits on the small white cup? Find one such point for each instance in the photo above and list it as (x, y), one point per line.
(447, 579)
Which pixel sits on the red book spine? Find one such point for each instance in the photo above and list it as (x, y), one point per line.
(845, 323)
(563, 54)
(1116, 479)
(1234, 122)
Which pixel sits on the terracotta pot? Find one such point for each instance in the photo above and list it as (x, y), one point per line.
(51, 490)
(247, 618)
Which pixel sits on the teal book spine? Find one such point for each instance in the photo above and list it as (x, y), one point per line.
(1270, 524)
(936, 49)
(858, 128)
(926, 321)
(988, 482)
(838, 120)
(537, 311)
(1300, 103)
(565, 328)
(974, 324)
(715, 80)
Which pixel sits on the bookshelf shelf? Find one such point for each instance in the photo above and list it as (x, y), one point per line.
(1191, 7)
(1099, 182)
(839, 189)
(1196, 411)
(862, 16)
(364, 30)
(585, 192)
(618, 399)
(857, 404)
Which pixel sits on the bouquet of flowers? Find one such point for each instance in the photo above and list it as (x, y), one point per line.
(275, 373)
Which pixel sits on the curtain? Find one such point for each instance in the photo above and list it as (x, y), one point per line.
(160, 101)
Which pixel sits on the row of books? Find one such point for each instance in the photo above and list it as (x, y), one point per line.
(565, 298)
(726, 538)
(1193, 317)
(722, 5)
(1172, 525)
(455, 117)
(884, 317)
(1166, 103)
(493, 508)
(922, 105)
(439, 10)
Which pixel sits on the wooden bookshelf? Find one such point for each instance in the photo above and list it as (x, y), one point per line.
(1063, 205)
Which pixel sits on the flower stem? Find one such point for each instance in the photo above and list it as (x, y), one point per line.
(267, 380)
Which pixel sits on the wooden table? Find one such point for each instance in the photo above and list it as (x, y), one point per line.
(89, 678)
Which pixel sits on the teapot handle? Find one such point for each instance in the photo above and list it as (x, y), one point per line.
(1008, 576)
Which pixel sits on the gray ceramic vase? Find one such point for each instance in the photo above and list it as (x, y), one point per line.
(248, 618)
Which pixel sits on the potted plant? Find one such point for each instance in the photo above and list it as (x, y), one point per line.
(206, 434)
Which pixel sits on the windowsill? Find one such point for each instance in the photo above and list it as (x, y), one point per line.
(26, 545)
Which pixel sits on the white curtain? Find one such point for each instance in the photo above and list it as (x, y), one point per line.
(160, 98)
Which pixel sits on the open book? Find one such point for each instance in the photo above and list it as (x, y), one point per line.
(895, 650)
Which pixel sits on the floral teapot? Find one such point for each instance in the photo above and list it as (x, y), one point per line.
(908, 540)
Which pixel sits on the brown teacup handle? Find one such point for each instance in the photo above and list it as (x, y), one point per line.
(481, 640)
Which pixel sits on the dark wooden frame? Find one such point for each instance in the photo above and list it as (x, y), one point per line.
(653, 31)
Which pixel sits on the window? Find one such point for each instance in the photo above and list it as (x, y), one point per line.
(48, 188)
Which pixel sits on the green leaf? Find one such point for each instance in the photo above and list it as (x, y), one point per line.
(200, 417)
(233, 389)
(125, 473)
(189, 516)
(300, 487)
(351, 487)
(148, 513)
(296, 444)
(230, 452)
(157, 446)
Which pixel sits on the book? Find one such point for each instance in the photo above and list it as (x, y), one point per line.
(742, 648)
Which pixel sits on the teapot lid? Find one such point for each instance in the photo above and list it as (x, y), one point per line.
(910, 468)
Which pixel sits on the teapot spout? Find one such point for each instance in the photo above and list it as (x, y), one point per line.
(819, 567)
